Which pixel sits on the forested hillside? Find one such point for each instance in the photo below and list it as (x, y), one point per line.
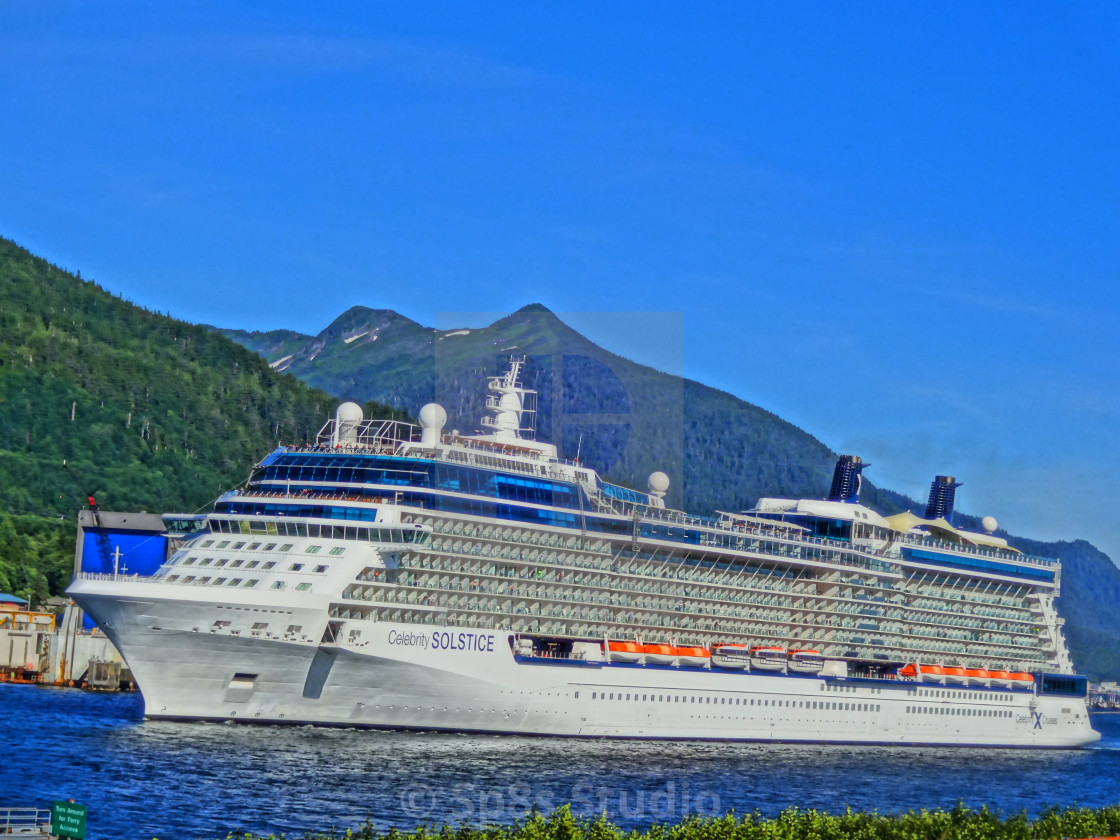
(101, 398)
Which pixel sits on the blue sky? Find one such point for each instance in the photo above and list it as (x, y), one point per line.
(894, 224)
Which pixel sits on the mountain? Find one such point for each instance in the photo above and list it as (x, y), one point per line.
(101, 398)
(626, 420)
(621, 417)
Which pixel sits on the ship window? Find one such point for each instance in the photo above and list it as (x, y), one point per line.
(312, 549)
(260, 625)
(223, 543)
(294, 628)
(252, 564)
(207, 544)
(235, 582)
(204, 580)
(173, 577)
(207, 561)
(270, 564)
(320, 569)
(303, 587)
(252, 582)
(278, 584)
(269, 547)
(219, 581)
(236, 563)
(286, 547)
(189, 561)
(221, 562)
(239, 545)
(295, 567)
(337, 551)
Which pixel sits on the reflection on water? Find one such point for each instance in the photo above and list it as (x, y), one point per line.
(144, 779)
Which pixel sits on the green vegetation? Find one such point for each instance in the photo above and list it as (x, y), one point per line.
(99, 397)
(960, 823)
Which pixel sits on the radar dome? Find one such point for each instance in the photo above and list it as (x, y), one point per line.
(349, 412)
(658, 483)
(989, 524)
(347, 419)
(432, 419)
(432, 416)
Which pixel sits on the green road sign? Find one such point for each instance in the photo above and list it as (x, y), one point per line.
(68, 819)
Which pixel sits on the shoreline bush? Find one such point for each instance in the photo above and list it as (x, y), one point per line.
(959, 823)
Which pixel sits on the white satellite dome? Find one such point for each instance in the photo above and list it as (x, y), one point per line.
(989, 524)
(658, 483)
(347, 419)
(432, 419)
(349, 412)
(432, 416)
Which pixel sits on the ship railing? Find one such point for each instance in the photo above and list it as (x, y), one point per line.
(111, 576)
(977, 551)
(25, 822)
(366, 435)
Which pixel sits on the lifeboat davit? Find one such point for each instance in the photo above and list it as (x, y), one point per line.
(1000, 678)
(909, 672)
(976, 676)
(659, 654)
(932, 673)
(768, 658)
(693, 657)
(1021, 679)
(624, 651)
(955, 676)
(805, 661)
(731, 656)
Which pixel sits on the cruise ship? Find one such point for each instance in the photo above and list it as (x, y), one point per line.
(399, 576)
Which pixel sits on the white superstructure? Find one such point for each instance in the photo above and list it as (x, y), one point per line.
(402, 577)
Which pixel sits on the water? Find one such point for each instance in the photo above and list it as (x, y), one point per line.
(144, 779)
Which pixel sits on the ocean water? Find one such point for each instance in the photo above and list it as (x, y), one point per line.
(175, 781)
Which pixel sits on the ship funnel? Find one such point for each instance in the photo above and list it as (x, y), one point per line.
(847, 479)
(942, 494)
(432, 419)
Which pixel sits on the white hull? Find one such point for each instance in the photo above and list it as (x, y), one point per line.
(468, 680)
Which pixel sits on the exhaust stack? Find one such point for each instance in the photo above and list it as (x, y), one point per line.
(846, 479)
(942, 494)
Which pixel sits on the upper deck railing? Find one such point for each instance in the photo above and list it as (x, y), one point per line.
(391, 436)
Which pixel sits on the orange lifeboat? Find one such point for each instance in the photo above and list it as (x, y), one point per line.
(693, 657)
(805, 661)
(768, 658)
(1000, 678)
(976, 676)
(730, 656)
(659, 654)
(1021, 679)
(932, 673)
(910, 672)
(624, 651)
(955, 676)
